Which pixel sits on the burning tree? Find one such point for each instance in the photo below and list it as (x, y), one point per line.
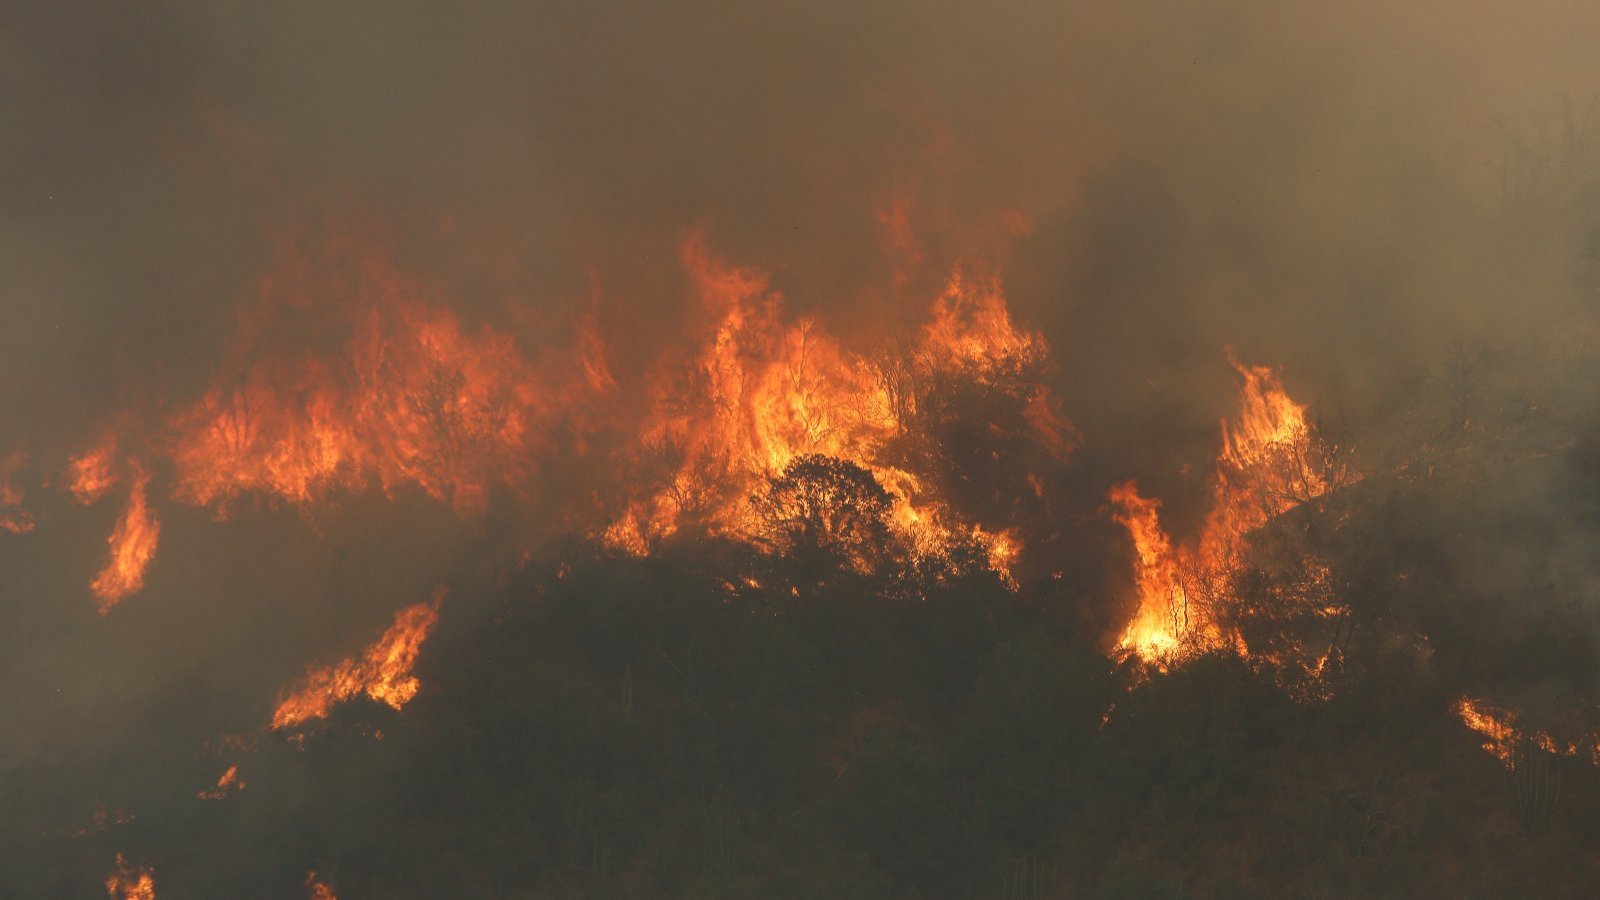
(1216, 592)
(826, 513)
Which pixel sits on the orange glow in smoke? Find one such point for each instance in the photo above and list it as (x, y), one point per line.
(92, 474)
(317, 889)
(13, 517)
(130, 882)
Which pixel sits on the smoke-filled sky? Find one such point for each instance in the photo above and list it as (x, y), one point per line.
(1316, 183)
(1345, 189)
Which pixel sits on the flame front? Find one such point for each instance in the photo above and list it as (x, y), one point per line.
(133, 545)
(130, 882)
(409, 398)
(383, 671)
(1505, 738)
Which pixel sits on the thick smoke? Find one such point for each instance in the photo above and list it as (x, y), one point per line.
(1349, 190)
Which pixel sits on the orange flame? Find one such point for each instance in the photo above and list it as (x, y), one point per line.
(766, 390)
(130, 882)
(409, 398)
(133, 545)
(383, 671)
(92, 474)
(228, 783)
(1500, 736)
(1162, 618)
(1267, 464)
(316, 889)
(1504, 737)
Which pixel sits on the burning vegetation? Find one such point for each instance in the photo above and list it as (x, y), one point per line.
(912, 490)
(1190, 596)
(777, 436)
(858, 470)
(382, 672)
(133, 546)
(130, 882)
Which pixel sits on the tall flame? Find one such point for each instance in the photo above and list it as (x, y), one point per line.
(133, 545)
(1163, 615)
(1268, 463)
(383, 671)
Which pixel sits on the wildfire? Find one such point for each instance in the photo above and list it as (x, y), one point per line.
(766, 390)
(130, 882)
(1269, 463)
(409, 398)
(1505, 738)
(342, 374)
(133, 545)
(383, 671)
(1163, 615)
(1500, 737)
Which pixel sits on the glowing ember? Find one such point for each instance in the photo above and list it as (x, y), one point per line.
(383, 672)
(13, 517)
(102, 818)
(228, 783)
(130, 882)
(133, 545)
(316, 889)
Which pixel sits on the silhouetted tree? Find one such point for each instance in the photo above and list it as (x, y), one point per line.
(825, 514)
